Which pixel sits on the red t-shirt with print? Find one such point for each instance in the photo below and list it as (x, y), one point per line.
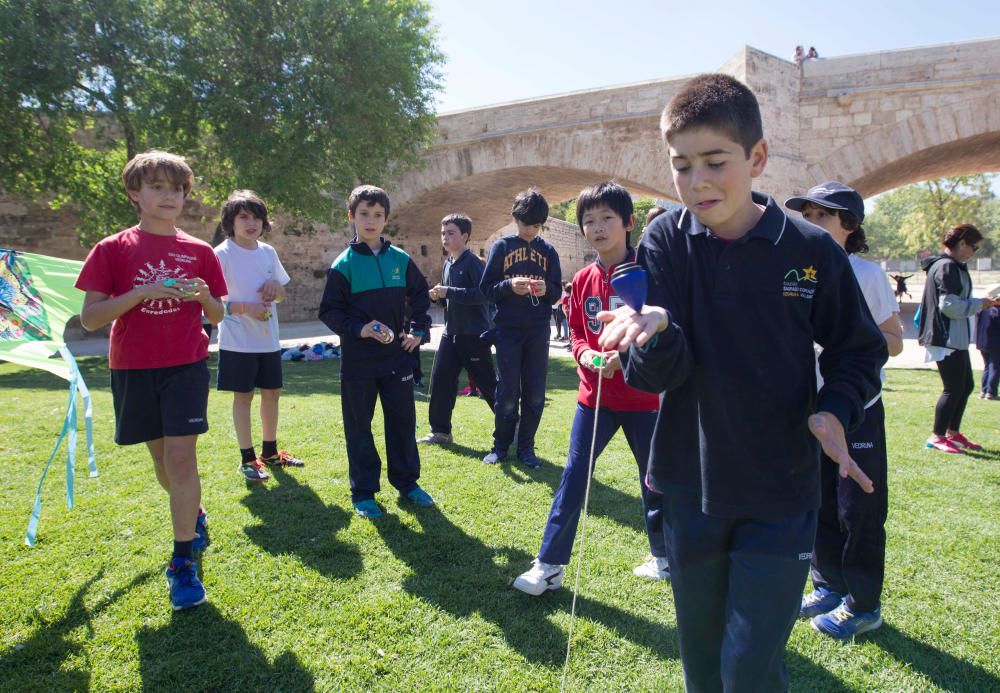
(161, 332)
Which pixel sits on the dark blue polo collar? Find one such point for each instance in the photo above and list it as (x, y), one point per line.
(770, 226)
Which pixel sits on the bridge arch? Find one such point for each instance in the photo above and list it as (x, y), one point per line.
(954, 139)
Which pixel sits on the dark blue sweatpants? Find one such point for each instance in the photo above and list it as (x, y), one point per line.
(522, 365)
(737, 586)
(560, 530)
(358, 392)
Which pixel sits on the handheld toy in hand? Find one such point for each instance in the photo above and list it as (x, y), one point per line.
(383, 332)
(174, 283)
(630, 282)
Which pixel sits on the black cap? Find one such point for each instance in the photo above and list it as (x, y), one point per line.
(832, 195)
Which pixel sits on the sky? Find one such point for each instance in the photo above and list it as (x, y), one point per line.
(508, 50)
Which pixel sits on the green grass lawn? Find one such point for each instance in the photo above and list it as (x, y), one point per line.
(304, 595)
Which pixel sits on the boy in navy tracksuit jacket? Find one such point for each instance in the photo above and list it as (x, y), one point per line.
(604, 214)
(524, 280)
(738, 294)
(364, 302)
(466, 318)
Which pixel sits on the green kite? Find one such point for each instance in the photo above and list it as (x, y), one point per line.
(37, 299)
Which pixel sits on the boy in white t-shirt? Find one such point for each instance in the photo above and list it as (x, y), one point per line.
(249, 351)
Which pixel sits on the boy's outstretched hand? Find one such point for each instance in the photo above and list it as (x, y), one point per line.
(624, 327)
(830, 433)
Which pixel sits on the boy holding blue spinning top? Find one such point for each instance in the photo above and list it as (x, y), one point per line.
(738, 294)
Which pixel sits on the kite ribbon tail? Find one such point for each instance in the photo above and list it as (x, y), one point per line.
(88, 409)
(36, 513)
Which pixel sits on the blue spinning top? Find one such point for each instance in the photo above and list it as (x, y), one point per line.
(630, 283)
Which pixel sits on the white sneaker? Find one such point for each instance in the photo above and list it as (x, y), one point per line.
(540, 578)
(491, 458)
(653, 569)
(435, 439)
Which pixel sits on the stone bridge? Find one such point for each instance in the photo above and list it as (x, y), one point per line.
(875, 121)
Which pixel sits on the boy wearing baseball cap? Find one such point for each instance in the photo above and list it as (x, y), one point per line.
(848, 560)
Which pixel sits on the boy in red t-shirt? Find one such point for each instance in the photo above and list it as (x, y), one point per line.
(153, 281)
(604, 213)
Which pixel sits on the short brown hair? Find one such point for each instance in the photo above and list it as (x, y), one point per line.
(462, 221)
(717, 102)
(369, 194)
(145, 167)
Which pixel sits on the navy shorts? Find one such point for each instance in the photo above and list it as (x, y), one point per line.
(151, 403)
(241, 372)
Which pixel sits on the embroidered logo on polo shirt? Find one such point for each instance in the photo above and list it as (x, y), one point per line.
(800, 284)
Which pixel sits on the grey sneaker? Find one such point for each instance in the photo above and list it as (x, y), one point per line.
(492, 458)
(435, 439)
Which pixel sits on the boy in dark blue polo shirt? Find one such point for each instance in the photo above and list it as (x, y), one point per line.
(523, 279)
(466, 318)
(738, 294)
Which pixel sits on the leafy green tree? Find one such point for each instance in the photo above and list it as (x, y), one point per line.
(565, 210)
(640, 207)
(298, 100)
(911, 219)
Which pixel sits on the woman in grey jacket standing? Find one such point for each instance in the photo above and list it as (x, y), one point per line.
(946, 332)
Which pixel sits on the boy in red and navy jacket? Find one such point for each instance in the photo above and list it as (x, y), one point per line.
(604, 213)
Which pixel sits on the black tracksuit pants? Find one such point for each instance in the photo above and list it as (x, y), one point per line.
(849, 556)
(358, 392)
(454, 353)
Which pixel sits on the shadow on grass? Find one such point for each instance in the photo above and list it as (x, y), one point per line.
(44, 659)
(805, 675)
(94, 370)
(476, 583)
(985, 454)
(606, 501)
(294, 519)
(201, 650)
(944, 670)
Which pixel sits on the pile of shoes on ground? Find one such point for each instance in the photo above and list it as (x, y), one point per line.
(310, 352)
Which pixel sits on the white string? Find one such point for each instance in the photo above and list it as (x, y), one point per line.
(583, 521)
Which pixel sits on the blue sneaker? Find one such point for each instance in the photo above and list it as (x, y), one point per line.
(842, 623)
(186, 589)
(420, 497)
(201, 538)
(529, 460)
(819, 601)
(368, 509)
